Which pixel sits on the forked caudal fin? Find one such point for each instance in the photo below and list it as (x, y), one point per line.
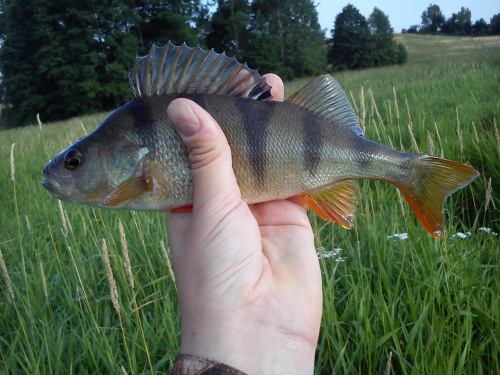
(435, 179)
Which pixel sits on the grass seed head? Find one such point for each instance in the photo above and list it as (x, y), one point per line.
(12, 169)
(111, 280)
(496, 135)
(167, 260)
(6, 276)
(44, 283)
(126, 258)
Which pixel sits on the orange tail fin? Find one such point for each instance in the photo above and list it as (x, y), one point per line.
(436, 179)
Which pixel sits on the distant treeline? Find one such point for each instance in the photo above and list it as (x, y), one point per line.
(434, 22)
(65, 58)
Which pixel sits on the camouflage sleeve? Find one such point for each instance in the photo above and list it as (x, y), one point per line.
(186, 364)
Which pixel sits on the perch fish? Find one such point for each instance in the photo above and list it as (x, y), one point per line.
(311, 145)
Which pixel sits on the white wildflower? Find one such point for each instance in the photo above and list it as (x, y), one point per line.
(401, 236)
(488, 230)
(330, 254)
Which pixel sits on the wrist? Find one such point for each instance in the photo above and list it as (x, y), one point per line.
(251, 347)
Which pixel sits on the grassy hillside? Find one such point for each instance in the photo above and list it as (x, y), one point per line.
(394, 297)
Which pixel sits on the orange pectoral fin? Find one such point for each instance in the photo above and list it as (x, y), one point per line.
(129, 189)
(335, 203)
(188, 208)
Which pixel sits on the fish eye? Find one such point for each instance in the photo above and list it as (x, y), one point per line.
(72, 159)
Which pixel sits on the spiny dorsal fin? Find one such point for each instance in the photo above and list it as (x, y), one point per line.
(336, 203)
(324, 95)
(182, 69)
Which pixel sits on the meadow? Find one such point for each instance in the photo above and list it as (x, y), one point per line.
(89, 291)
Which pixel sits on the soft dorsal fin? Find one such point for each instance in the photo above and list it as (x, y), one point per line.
(335, 203)
(182, 69)
(324, 95)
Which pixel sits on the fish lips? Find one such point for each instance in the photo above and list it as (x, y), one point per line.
(56, 185)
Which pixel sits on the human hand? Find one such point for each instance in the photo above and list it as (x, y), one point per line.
(248, 276)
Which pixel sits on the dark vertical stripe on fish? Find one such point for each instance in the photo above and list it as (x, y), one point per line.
(313, 141)
(255, 124)
(142, 120)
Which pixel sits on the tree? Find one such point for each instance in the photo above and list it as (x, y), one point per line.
(177, 21)
(351, 47)
(62, 58)
(282, 37)
(495, 24)
(293, 31)
(464, 21)
(402, 54)
(384, 46)
(413, 29)
(480, 28)
(229, 28)
(432, 19)
(459, 23)
(59, 58)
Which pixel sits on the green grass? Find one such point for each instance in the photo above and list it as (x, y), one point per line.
(414, 306)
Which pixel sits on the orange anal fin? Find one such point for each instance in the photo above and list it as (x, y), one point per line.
(129, 189)
(188, 208)
(436, 179)
(336, 203)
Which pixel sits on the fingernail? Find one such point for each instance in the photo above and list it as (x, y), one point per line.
(183, 118)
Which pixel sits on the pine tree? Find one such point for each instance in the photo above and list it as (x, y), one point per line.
(290, 33)
(229, 27)
(62, 58)
(17, 36)
(162, 21)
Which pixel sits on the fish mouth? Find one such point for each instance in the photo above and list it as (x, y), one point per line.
(54, 184)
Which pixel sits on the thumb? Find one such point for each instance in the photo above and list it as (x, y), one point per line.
(215, 186)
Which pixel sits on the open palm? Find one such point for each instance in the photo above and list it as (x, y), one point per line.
(248, 276)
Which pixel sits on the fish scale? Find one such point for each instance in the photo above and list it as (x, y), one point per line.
(309, 146)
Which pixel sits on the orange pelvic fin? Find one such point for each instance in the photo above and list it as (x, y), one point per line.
(436, 179)
(188, 208)
(336, 203)
(129, 189)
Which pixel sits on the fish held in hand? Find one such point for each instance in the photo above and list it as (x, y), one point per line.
(310, 145)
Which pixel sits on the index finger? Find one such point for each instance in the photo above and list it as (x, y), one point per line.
(278, 89)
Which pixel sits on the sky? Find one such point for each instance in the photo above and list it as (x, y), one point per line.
(403, 13)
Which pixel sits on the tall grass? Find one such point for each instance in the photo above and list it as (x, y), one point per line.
(392, 304)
